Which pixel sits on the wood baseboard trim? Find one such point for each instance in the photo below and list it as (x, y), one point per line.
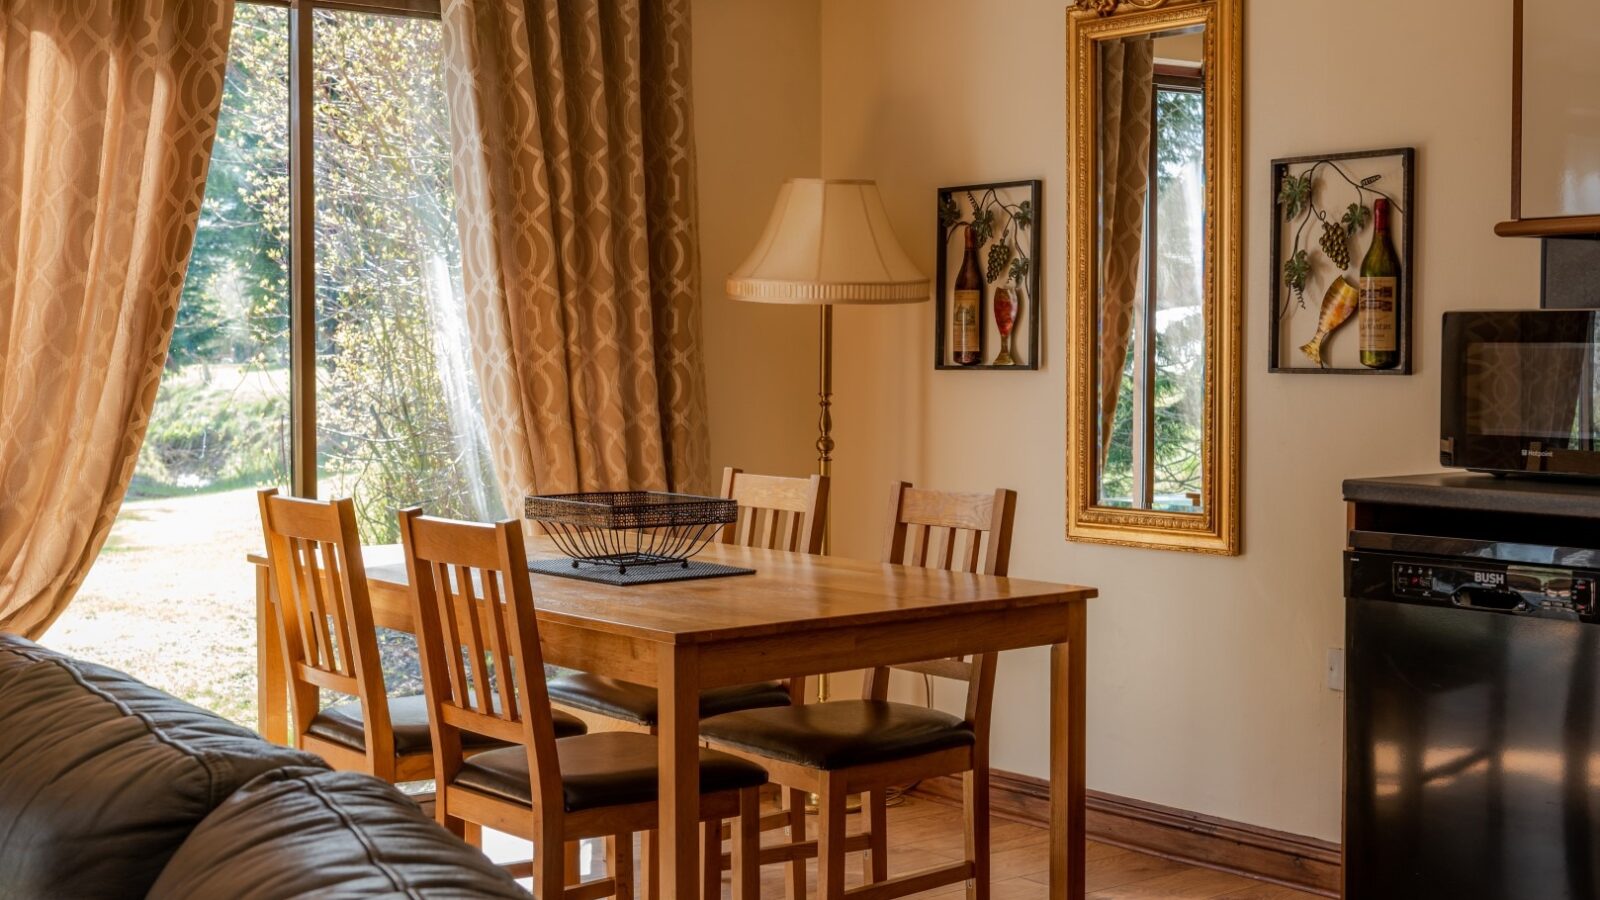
(1303, 863)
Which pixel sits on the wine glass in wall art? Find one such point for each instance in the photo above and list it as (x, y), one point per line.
(986, 310)
(1341, 263)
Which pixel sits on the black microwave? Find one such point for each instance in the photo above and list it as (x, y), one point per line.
(1521, 390)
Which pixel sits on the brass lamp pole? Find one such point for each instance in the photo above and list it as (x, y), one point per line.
(825, 402)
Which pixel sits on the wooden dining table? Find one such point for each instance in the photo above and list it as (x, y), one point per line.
(798, 615)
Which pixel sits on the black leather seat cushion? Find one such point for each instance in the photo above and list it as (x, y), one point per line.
(408, 716)
(839, 734)
(638, 704)
(611, 768)
(314, 833)
(102, 777)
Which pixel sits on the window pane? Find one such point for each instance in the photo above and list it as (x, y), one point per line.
(1179, 330)
(171, 600)
(399, 421)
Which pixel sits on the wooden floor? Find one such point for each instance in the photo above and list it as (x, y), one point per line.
(923, 833)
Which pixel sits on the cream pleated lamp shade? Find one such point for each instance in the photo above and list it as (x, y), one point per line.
(828, 242)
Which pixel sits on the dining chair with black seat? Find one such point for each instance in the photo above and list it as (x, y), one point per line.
(843, 747)
(776, 512)
(326, 626)
(479, 639)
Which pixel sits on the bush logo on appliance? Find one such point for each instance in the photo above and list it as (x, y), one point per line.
(1495, 579)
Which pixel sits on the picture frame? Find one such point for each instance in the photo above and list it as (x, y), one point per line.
(1304, 219)
(1013, 225)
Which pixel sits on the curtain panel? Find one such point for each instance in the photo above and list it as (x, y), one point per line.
(1127, 101)
(108, 109)
(575, 181)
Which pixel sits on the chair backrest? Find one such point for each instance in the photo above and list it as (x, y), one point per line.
(958, 533)
(478, 637)
(324, 613)
(776, 512)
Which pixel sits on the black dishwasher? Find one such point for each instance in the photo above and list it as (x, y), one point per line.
(1472, 767)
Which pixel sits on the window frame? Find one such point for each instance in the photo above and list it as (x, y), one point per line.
(302, 220)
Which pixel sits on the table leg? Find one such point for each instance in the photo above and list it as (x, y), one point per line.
(1067, 839)
(679, 743)
(272, 688)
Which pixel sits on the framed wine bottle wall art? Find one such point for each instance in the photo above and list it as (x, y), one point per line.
(986, 306)
(1342, 286)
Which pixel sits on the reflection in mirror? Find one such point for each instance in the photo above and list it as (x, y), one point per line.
(1150, 366)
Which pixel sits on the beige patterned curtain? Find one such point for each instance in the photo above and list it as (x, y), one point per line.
(574, 169)
(1127, 98)
(107, 113)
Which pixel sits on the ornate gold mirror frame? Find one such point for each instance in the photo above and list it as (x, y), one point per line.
(1215, 527)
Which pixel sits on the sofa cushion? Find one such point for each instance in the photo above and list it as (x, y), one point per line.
(102, 777)
(315, 833)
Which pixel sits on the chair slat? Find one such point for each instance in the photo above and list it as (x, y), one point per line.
(332, 572)
(969, 560)
(469, 602)
(947, 549)
(919, 544)
(311, 587)
(792, 535)
(500, 645)
(452, 633)
(770, 541)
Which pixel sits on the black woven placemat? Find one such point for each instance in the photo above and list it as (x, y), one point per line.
(636, 574)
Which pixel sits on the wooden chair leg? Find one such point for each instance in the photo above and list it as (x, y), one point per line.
(797, 833)
(619, 863)
(830, 839)
(711, 859)
(975, 787)
(875, 807)
(572, 861)
(472, 833)
(650, 849)
(455, 826)
(549, 861)
(747, 847)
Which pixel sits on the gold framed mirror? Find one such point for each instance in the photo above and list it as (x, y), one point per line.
(1555, 119)
(1154, 229)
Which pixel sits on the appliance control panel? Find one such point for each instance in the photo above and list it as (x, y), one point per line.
(1511, 588)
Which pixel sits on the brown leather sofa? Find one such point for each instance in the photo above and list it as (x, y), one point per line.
(112, 789)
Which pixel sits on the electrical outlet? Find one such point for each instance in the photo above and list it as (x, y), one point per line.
(1335, 668)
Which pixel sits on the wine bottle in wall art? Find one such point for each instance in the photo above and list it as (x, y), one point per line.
(966, 334)
(1380, 286)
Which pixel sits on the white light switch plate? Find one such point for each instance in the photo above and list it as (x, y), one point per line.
(1335, 668)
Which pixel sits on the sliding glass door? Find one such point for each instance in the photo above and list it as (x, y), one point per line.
(320, 344)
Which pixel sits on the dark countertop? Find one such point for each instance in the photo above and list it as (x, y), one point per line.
(1476, 491)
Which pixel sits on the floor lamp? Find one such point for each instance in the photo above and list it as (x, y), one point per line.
(828, 243)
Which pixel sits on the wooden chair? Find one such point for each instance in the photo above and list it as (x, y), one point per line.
(475, 615)
(775, 513)
(839, 748)
(325, 624)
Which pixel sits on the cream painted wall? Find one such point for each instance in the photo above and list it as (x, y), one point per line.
(1206, 675)
(757, 66)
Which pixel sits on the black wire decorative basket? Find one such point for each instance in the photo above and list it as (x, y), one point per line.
(626, 529)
